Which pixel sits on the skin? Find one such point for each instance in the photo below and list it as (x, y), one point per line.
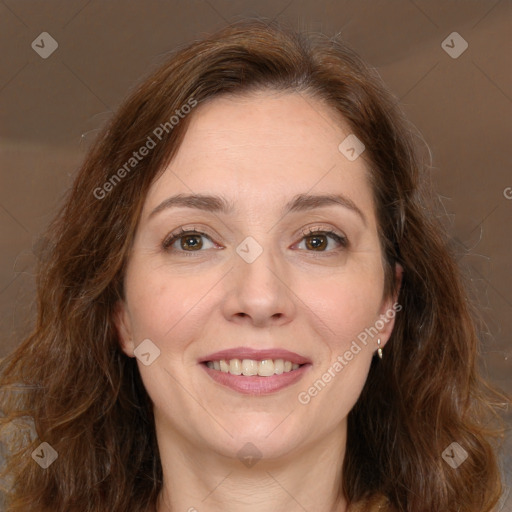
(258, 151)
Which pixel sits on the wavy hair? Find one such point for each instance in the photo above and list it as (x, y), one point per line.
(85, 396)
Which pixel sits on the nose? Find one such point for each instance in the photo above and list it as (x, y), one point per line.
(259, 292)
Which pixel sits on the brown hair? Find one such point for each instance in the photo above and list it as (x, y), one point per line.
(86, 396)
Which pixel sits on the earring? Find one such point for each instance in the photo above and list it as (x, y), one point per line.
(379, 350)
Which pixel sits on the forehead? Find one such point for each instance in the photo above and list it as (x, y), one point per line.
(266, 119)
(261, 149)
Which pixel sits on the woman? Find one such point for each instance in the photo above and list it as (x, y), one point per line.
(246, 305)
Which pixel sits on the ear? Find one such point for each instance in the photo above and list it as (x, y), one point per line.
(390, 308)
(123, 325)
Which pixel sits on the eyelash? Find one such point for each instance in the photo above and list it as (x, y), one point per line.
(181, 233)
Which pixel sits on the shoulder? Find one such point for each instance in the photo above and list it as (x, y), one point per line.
(376, 503)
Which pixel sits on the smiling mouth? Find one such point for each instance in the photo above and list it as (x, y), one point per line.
(253, 367)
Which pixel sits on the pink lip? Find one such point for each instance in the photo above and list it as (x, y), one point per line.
(256, 385)
(257, 355)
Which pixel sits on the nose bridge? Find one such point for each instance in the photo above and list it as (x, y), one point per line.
(258, 288)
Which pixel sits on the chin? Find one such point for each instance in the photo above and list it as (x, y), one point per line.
(269, 438)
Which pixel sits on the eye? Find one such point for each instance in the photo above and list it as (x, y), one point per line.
(192, 240)
(316, 240)
(189, 241)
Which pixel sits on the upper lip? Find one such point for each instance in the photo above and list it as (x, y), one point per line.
(258, 355)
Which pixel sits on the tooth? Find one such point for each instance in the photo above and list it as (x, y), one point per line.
(266, 368)
(249, 367)
(278, 366)
(235, 367)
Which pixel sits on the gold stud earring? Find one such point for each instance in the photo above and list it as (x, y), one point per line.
(379, 350)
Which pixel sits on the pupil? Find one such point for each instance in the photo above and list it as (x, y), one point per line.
(316, 241)
(195, 242)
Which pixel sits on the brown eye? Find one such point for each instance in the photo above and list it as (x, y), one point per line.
(316, 242)
(191, 242)
(319, 241)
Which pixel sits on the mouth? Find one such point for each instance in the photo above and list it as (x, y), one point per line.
(255, 372)
(251, 367)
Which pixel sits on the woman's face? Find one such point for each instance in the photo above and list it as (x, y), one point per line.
(255, 284)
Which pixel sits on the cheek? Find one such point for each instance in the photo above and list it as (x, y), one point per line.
(163, 307)
(343, 310)
(343, 306)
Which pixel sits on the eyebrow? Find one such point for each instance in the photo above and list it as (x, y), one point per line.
(218, 204)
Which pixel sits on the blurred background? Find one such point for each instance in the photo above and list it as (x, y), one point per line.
(67, 64)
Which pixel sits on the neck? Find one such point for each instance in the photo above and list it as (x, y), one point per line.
(196, 480)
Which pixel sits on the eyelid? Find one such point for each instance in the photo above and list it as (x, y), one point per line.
(323, 230)
(328, 231)
(182, 231)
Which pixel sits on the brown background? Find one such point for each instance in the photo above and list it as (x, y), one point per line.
(52, 108)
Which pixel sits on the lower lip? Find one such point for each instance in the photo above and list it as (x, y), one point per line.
(254, 384)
